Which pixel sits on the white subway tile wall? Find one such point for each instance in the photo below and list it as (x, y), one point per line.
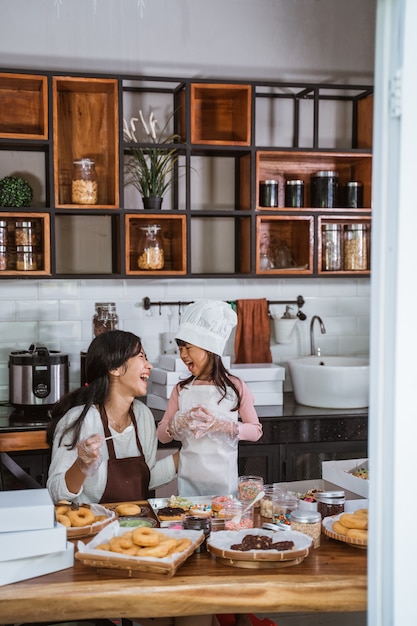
(58, 313)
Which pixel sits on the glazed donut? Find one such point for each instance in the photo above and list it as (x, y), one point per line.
(64, 520)
(103, 546)
(182, 544)
(61, 509)
(357, 533)
(81, 516)
(122, 545)
(145, 537)
(158, 551)
(362, 512)
(100, 518)
(354, 521)
(128, 509)
(339, 528)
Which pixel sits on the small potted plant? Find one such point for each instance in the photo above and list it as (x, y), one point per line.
(15, 192)
(150, 169)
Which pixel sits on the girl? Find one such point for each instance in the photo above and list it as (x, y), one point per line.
(203, 410)
(103, 439)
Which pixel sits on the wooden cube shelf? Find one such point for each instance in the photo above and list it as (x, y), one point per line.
(173, 234)
(24, 106)
(282, 166)
(41, 249)
(343, 220)
(221, 114)
(290, 244)
(86, 124)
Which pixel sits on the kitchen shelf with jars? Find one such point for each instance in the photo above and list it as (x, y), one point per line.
(261, 179)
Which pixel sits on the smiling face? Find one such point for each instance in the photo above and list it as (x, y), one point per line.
(134, 374)
(198, 361)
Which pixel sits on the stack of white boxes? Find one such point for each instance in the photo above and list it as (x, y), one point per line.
(31, 542)
(264, 380)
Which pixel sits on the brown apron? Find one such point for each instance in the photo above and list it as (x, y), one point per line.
(128, 478)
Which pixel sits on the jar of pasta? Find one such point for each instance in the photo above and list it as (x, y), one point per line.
(25, 233)
(84, 187)
(355, 247)
(150, 250)
(3, 258)
(25, 258)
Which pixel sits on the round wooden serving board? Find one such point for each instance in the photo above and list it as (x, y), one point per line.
(327, 525)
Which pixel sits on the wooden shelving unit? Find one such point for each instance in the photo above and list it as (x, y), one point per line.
(234, 134)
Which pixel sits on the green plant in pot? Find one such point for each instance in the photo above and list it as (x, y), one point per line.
(150, 169)
(15, 192)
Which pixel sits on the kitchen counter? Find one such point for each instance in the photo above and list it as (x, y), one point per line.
(290, 432)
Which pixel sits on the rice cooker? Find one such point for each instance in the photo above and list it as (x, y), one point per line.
(38, 377)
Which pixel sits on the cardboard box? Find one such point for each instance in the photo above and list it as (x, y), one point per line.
(258, 371)
(26, 509)
(337, 472)
(22, 569)
(163, 377)
(156, 402)
(265, 386)
(27, 543)
(173, 363)
(352, 503)
(268, 399)
(164, 391)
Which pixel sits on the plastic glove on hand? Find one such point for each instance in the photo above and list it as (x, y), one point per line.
(179, 425)
(89, 455)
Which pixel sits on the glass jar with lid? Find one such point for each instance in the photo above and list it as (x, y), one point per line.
(324, 189)
(26, 260)
(84, 187)
(25, 233)
(3, 257)
(105, 318)
(330, 503)
(3, 233)
(307, 522)
(355, 247)
(150, 250)
(331, 247)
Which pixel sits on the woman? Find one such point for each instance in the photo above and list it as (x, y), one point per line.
(103, 438)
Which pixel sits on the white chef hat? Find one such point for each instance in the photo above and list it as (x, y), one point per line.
(207, 324)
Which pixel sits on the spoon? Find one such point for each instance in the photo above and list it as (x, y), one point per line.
(236, 518)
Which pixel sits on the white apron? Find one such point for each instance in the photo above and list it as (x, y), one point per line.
(208, 466)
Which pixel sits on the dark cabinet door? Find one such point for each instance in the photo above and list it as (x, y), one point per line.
(260, 460)
(303, 461)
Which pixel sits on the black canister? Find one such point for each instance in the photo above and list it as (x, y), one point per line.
(353, 195)
(194, 522)
(294, 194)
(324, 189)
(268, 193)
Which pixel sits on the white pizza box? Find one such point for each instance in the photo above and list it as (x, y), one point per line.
(163, 377)
(164, 391)
(156, 402)
(173, 363)
(258, 371)
(27, 543)
(268, 399)
(39, 565)
(26, 509)
(337, 472)
(352, 503)
(265, 386)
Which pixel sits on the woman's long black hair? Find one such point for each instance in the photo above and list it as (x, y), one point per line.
(219, 374)
(106, 352)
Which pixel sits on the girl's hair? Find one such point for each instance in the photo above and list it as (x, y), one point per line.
(106, 352)
(219, 374)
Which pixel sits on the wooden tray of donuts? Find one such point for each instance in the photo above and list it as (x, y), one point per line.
(126, 566)
(83, 520)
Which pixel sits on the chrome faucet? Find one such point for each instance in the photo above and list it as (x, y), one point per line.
(323, 332)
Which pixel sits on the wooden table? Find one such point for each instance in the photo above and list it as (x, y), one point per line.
(332, 578)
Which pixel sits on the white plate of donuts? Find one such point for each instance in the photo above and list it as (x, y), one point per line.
(83, 520)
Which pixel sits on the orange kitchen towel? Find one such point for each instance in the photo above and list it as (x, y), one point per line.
(253, 332)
